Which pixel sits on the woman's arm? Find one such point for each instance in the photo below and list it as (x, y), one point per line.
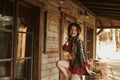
(83, 51)
(85, 63)
(89, 71)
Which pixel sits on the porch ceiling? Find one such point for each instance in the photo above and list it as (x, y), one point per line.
(107, 12)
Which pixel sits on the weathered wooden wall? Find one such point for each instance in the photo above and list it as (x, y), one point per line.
(47, 62)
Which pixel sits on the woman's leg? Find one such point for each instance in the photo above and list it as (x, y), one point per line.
(77, 77)
(63, 66)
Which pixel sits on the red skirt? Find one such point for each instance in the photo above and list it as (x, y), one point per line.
(79, 71)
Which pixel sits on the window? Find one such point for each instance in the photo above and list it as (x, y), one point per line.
(17, 36)
(89, 41)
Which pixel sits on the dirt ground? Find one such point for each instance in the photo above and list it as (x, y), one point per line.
(114, 70)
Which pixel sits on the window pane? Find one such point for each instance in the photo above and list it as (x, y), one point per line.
(23, 69)
(5, 45)
(25, 18)
(24, 45)
(6, 22)
(5, 69)
(6, 25)
(6, 14)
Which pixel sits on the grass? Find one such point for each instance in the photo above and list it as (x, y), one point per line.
(115, 66)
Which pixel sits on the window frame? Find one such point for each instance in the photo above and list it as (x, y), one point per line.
(35, 40)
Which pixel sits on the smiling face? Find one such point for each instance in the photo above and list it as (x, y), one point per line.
(73, 31)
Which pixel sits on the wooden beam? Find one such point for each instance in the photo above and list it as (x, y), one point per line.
(83, 6)
(101, 7)
(99, 3)
(99, 31)
(102, 11)
(111, 22)
(69, 12)
(109, 15)
(108, 27)
(100, 24)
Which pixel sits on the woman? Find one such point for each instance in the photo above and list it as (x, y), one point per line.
(77, 63)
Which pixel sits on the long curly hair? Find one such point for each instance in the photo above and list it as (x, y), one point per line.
(72, 40)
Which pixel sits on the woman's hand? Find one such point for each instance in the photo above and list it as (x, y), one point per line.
(89, 71)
